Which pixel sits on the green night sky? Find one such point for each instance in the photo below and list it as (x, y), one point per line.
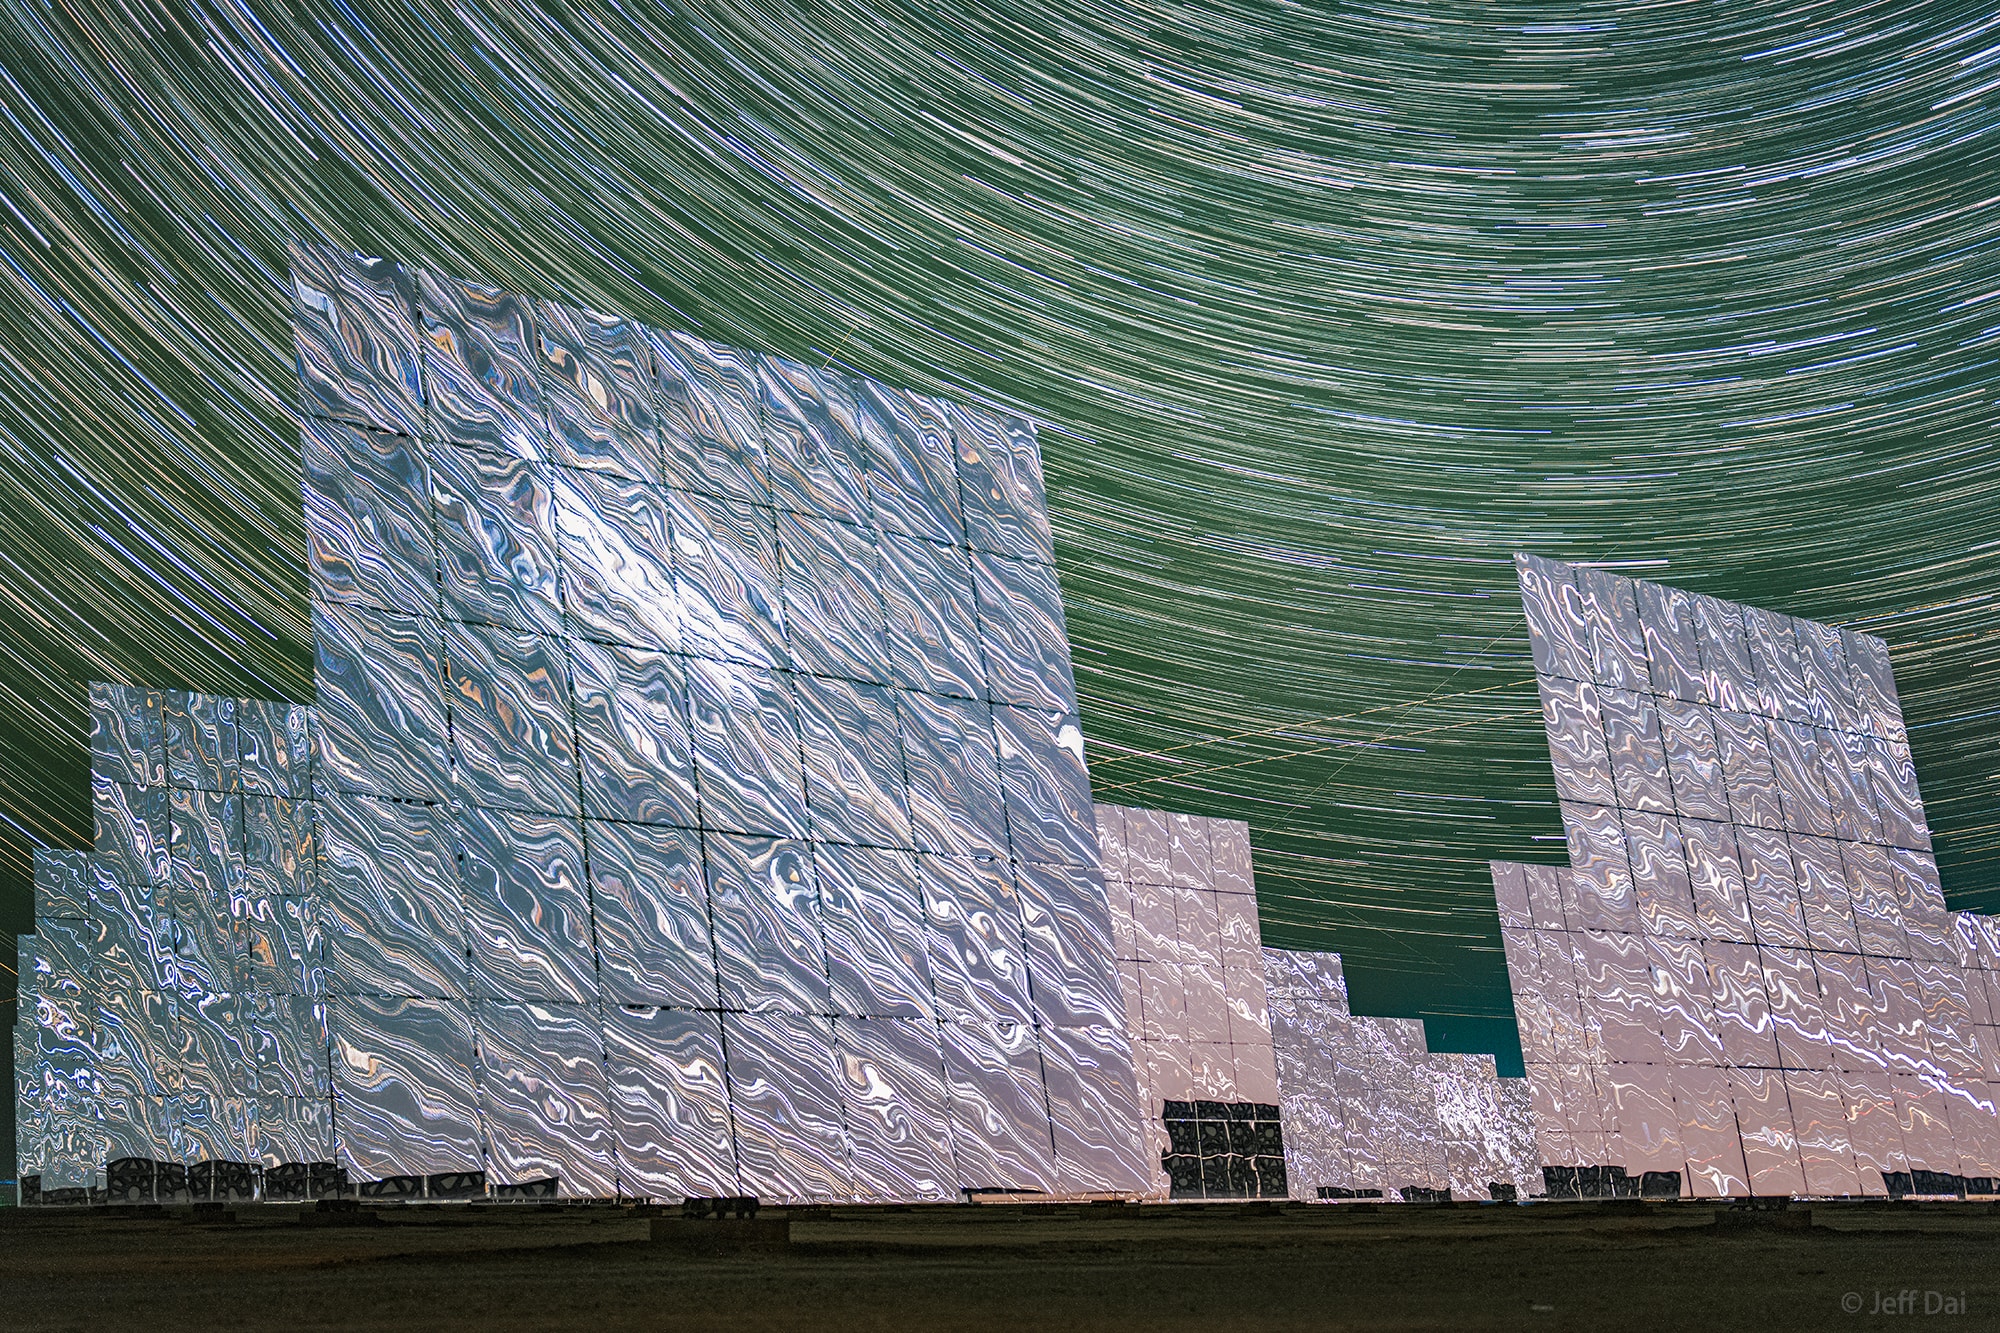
(1326, 310)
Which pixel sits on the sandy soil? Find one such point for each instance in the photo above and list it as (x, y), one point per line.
(1546, 1266)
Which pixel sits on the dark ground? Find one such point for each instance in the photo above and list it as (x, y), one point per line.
(1544, 1266)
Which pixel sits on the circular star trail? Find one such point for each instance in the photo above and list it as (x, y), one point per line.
(1326, 310)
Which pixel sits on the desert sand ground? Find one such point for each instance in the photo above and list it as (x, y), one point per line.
(1540, 1266)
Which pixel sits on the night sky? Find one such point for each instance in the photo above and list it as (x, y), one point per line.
(1326, 310)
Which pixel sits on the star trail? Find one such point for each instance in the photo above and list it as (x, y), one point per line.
(1325, 311)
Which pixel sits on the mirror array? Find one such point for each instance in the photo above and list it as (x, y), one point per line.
(694, 802)
(1185, 932)
(170, 1009)
(1747, 973)
(1223, 1150)
(1369, 1110)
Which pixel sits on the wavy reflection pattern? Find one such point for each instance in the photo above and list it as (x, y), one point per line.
(497, 532)
(357, 348)
(785, 1101)
(176, 973)
(543, 1096)
(670, 1102)
(728, 576)
(872, 912)
(855, 788)
(651, 916)
(1093, 1103)
(1255, 1079)
(893, 1098)
(654, 830)
(512, 742)
(594, 373)
(1001, 1136)
(479, 366)
(931, 631)
(812, 434)
(405, 1086)
(280, 853)
(833, 598)
(617, 559)
(394, 922)
(369, 534)
(770, 955)
(1367, 1107)
(712, 432)
(978, 960)
(527, 907)
(1746, 980)
(1188, 976)
(381, 713)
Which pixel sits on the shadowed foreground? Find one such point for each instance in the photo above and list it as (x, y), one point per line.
(1468, 1266)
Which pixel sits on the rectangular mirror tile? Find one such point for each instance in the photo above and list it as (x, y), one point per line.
(812, 431)
(1617, 639)
(480, 374)
(125, 737)
(711, 429)
(1093, 1108)
(892, 1092)
(381, 713)
(1727, 672)
(596, 379)
(1576, 741)
(649, 908)
(912, 474)
(1557, 631)
(1000, 484)
(617, 553)
(354, 331)
(999, 1112)
(131, 829)
(406, 1097)
(833, 598)
(369, 537)
(1638, 760)
(1694, 765)
(1781, 690)
(956, 804)
(932, 623)
(527, 907)
(542, 1097)
(669, 1103)
(393, 915)
(198, 734)
(1661, 886)
(512, 740)
(1874, 685)
(877, 937)
(978, 959)
(1067, 929)
(1823, 894)
(1046, 787)
(770, 950)
(746, 746)
(635, 753)
(785, 1105)
(729, 575)
(498, 539)
(1022, 635)
(856, 790)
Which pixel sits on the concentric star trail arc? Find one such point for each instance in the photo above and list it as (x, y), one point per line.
(1326, 313)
